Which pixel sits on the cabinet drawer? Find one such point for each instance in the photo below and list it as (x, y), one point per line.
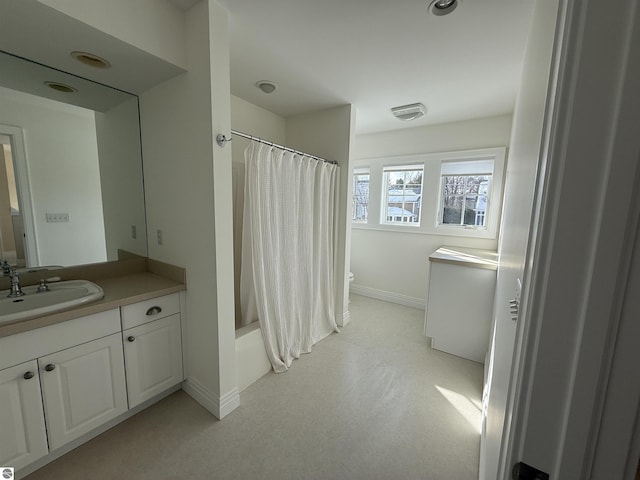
(25, 346)
(147, 311)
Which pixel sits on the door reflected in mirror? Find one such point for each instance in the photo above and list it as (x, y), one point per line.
(77, 195)
(11, 227)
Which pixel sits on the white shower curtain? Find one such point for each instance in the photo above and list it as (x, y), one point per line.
(287, 273)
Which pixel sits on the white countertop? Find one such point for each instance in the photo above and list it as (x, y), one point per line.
(467, 257)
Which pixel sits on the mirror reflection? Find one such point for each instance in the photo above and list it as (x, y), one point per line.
(71, 189)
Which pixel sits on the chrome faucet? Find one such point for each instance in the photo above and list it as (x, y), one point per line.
(16, 291)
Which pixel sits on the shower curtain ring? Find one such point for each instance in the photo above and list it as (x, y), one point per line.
(221, 139)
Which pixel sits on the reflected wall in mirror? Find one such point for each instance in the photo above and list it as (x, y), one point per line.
(78, 195)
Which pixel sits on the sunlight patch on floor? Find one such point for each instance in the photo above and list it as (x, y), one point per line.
(469, 409)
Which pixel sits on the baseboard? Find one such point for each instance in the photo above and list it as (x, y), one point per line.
(414, 302)
(220, 407)
(229, 402)
(344, 319)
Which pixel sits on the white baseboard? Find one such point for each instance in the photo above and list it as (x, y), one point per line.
(344, 319)
(414, 302)
(220, 407)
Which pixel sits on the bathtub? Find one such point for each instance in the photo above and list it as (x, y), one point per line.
(251, 358)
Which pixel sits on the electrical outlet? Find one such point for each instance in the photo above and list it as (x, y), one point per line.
(134, 232)
(57, 217)
(159, 236)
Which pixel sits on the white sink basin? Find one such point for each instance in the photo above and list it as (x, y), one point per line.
(61, 295)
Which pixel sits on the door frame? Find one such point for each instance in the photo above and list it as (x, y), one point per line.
(23, 186)
(563, 397)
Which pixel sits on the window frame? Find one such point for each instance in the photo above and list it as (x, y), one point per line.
(432, 192)
(387, 169)
(357, 172)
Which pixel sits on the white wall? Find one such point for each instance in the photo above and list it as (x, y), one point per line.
(329, 134)
(188, 185)
(394, 265)
(253, 120)
(118, 134)
(525, 150)
(151, 25)
(582, 254)
(62, 158)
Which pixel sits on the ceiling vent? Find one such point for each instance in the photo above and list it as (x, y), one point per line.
(409, 112)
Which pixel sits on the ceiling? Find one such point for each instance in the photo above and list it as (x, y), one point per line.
(374, 54)
(34, 31)
(378, 54)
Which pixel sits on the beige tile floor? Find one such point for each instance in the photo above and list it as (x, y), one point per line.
(372, 402)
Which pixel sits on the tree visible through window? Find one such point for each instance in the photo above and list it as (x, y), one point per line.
(403, 194)
(464, 200)
(360, 196)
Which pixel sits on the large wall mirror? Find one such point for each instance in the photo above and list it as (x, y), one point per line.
(71, 184)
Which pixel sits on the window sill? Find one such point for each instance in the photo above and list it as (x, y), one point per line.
(423, 230)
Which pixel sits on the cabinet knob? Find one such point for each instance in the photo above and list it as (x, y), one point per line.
(131, 338)
(154, 310)
(50, 367)
(28, 375)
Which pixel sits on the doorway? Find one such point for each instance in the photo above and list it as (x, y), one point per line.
(17, 231)
(11, 227)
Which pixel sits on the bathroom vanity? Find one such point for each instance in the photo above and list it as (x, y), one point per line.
(462, 284)
(66, 377)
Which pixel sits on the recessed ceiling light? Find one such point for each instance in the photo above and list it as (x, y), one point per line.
(443, 7)
(409, 112)
(61, 87)
(91, 59)
(266, 86)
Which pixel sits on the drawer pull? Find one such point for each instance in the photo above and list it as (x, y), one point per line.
(154, 310)
(50, 367)
(131, 338)
(28, 375)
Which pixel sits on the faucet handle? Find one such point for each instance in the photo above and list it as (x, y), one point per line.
(43, 287)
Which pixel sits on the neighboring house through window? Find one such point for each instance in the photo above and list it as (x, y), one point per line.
(403, 188)
(465, 193)
(450, 193)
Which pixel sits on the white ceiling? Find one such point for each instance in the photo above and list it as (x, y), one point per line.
(378, 54)
(34, 31)
(374, 54)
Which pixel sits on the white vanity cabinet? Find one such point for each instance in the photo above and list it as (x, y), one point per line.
(23, 438)
(152, 347)
(25, 381)
(82, 388)
(64, 383)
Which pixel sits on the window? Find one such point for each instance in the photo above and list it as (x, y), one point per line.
(360, 196)
(403, 194)
(448, 193)
(464, 198)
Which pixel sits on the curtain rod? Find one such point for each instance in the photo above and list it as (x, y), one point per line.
(222, 140)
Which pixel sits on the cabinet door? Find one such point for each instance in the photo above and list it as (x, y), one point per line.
(83, 387)
(23, 438)
(153, 354)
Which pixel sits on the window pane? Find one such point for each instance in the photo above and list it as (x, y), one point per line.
(403, 195)
(465, 200)
(360, 197)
